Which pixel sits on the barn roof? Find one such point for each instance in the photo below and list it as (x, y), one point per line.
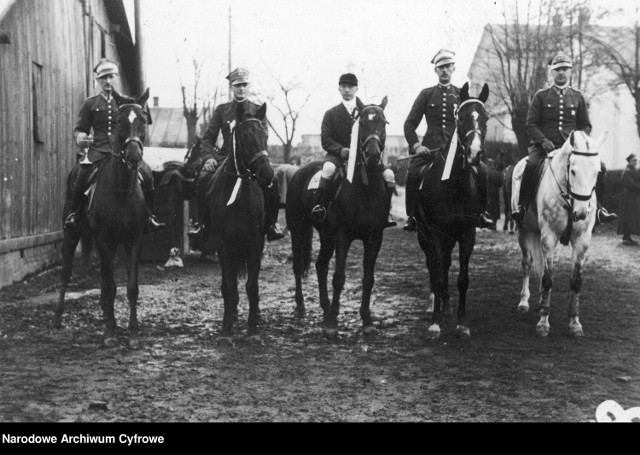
(169, 127)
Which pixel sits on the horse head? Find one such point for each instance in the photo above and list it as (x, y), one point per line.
(373, 134)
(131, 128)
(583, 165)
(471, 122)
(250, 140)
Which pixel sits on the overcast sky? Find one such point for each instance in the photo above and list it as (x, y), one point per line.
(388, 44)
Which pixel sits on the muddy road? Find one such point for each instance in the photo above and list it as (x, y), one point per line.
(182, 373)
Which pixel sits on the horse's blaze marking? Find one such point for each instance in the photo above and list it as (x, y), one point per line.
(372, 116)
(132, 117)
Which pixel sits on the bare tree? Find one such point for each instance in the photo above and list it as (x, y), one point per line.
(197, 99)
(289, 100)
(520, 49)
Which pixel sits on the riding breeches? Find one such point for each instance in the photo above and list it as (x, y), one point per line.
(528, 185)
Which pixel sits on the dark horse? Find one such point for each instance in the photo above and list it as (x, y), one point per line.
(359, 212)
(237, 215)
(116, 216)
(448, 208)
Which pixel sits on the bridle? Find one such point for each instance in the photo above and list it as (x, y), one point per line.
(370, 137)
(234, 152)
(129, 140)
(474, 131)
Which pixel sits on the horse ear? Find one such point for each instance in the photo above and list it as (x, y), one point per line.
(464, 92)
(384, 103)
(484, 94)
(262, 111)
(144, 98)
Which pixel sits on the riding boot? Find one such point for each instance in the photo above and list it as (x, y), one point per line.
(272, 205)
(152, 225)
(390, 222)
(602, 215)
(485, 220)
(77, 194)
(319, 211)
(411, 196)
(527, 187)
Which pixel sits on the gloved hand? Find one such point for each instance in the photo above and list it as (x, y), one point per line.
(84, 140)
(344, 153)
(210, 165)
(547, 145)
(420, 149)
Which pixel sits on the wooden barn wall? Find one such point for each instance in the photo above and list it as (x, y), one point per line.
(54, 45)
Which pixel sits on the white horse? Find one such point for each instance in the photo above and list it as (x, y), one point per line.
(564, 209)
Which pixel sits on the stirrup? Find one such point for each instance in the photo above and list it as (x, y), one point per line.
(485, 221)
(410, 225)
(519, 214)
(318, 212)
(274, 233)
(154, 225)
(71, 221)
(602, 216)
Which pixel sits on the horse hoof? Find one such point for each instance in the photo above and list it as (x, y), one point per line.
(576, 330)
(110, 342)
(369, 330)
(299, 313)
(56, 324)
(434, 332)
(134, 343)
(225, 341)
(330, 334)
(542, 330)
(463, 332)
(523, 309)
(255, 340)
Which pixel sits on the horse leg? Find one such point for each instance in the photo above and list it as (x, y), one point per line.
(466, 248)
(433, 254)
(108, 291)
(252, 288)
(527, 263)
(371, 250)
(448, 245)
(301, 240)
(579, 252)
(327, 247)
(229, 272)
(133, 259)
(69, 245)
(331, 321)
(548, 246)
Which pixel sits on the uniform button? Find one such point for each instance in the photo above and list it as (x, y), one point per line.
(108, 134)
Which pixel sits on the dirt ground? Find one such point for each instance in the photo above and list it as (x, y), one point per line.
(183, 374)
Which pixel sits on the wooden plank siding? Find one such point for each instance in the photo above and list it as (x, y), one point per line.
(54, 44)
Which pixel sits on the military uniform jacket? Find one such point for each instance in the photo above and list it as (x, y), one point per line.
(99, 115)
(221, 120)
(554, 114)
(337, 124)
(438, 106)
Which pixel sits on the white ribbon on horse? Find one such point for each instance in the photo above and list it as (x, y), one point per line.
(450, 156)
(353, 149)
(236, 188)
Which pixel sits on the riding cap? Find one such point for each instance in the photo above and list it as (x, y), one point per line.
(238, 76)
(561, 60)
(444, 57)
(105, 67)
(348, 78)
(631, 157)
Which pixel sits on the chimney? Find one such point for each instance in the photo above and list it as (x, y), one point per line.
(156, 101)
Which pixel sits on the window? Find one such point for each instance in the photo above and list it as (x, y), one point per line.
(37, 98)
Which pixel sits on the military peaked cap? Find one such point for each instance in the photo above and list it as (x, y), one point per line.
(105, 67)
(444, 57)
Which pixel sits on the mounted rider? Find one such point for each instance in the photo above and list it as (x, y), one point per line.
(335, 136)
(438, 105)
(98, 115)
(553, 114)
(223, 116)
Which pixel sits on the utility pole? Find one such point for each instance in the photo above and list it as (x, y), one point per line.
(229, 57)
(141, 80)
